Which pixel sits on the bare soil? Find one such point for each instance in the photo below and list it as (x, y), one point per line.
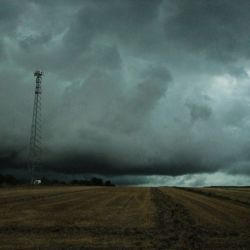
(123, 218)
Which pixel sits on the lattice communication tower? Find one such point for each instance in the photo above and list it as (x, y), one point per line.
(35, 147)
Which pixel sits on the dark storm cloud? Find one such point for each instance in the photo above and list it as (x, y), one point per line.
(239, 72)
(35, 42)
(135, 108)
(77, 163)
(199, 112)
(131, 87)
(2, 52)
(217, 28)
(10, 13)
(123, 19)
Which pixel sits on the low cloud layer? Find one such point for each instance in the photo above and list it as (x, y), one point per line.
(131, 88)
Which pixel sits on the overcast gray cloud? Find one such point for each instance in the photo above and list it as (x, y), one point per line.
(131, 88)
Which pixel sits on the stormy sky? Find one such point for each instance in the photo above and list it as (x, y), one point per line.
(144, 92)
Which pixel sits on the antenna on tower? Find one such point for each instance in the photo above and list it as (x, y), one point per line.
(35, 147)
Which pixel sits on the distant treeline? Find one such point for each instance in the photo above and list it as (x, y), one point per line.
(9, 180)
(227, 187)
(92, 182)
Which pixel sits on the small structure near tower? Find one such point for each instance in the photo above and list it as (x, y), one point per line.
(35, 147)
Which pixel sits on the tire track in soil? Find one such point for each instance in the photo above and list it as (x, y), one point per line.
(175, 228)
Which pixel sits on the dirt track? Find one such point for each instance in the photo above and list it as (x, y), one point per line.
(175, 226)
(122, 218)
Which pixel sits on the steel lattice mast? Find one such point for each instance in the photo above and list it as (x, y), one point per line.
(35, 146)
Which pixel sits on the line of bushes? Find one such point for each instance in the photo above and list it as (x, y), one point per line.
(9, 180)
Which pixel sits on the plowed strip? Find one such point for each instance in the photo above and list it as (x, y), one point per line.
(221, 223)
(174, 226)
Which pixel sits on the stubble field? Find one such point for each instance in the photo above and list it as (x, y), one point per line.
(124, 218)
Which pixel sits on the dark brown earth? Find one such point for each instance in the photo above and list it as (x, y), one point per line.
(124, 218)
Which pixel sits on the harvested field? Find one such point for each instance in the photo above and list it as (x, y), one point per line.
(237, 195)
(123, 218)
